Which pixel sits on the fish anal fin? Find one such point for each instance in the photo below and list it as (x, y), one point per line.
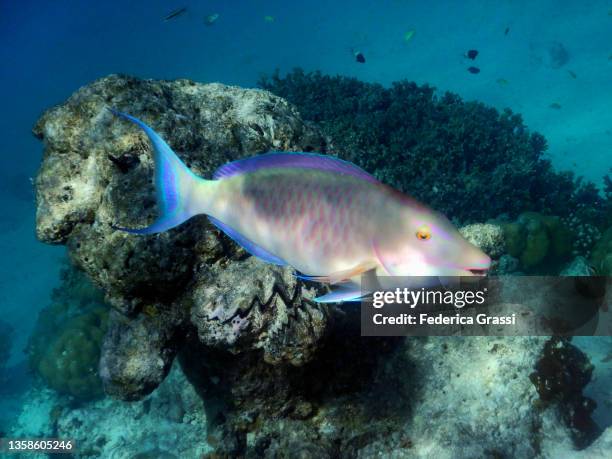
(355, 271)
(344, 275)
(247, 244)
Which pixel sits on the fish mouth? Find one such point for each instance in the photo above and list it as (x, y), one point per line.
(477, 271)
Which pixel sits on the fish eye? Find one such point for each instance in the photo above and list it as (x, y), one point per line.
(423, 233)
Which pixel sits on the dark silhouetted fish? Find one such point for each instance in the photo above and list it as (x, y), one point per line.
(359, 57)
(471, 54)
(507, 31)
(473, 70)
(556, 55)
(175, 13)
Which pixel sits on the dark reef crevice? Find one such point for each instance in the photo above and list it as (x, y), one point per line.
(560, 376)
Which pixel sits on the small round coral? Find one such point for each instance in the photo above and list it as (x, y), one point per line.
(70, 363)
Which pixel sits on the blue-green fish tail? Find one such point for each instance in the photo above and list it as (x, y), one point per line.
(175, 184)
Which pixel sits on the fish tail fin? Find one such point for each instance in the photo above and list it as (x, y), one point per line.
(180, 193)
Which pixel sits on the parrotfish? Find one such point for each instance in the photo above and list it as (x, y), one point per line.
(328, 219)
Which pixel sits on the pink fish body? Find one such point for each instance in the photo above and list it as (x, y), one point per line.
(325, 217)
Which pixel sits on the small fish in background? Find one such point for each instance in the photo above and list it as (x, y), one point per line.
(211, 19)
(269, 19)
(359, 57)
(175, 13)
(471, 54)
(502, 82)
(409, 35)
(607, 358)
(555, 106)
(572, 74)
(556, 55)
(473, 70)
(507, 31)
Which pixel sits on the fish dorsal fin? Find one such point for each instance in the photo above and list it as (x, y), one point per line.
(292, 160)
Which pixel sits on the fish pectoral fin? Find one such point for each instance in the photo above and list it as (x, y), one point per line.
(341, 276)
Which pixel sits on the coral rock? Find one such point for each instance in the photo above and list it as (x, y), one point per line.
(97, 172)
(487, 236)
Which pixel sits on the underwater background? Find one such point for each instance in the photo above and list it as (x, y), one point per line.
(549, 61)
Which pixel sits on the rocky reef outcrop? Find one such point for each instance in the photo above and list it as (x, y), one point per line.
(96, 173)
(277, 371)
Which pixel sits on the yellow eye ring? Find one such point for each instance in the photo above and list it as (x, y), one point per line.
(423, 233)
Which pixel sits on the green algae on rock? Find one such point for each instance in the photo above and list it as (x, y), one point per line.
(536, 239)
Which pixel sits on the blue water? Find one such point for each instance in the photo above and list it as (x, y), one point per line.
(49, 49)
